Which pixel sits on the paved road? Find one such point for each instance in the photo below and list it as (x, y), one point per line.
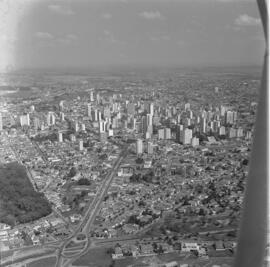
(90, 215)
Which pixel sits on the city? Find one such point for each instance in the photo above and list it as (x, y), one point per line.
(163, 169)
(126, 132)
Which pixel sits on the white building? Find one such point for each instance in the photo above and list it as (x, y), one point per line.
(25, 120)
(139, 146)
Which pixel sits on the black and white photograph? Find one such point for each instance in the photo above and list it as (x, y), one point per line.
(134, 133)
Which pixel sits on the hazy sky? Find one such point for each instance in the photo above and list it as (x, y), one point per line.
(75, 33)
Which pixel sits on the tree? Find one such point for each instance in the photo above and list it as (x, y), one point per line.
(72, 172)
(110, 250)
(202, 212)
(21, 202)
(83, 181)
(139, 161)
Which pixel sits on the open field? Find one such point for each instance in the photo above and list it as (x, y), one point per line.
(46, 262)
(97, 257)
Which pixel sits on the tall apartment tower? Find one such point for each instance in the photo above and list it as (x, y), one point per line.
(50, 118)
(1, 122)
(61, 105)
(152, 108)
(92, 99)
(139, 147)
(150, 148)
(60, 137)
(80, 145)
(25, 120)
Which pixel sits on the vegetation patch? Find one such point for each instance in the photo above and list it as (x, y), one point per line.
(19, 202)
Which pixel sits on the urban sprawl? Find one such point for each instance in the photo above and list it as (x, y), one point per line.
(143, 167)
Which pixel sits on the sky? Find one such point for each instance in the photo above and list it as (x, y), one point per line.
(89, 33)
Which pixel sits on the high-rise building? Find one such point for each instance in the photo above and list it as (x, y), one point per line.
(92, 99)
(25, 120)
(232, 132)
(72, 138)
(240, 132)
(99, 116)
(119, 115)
(103, 137)
(197, 120)
(152, 108)
(150, 148)
(60, 137)
(156, 120)
(110, 132)
(223, 110)
(229, 117)
(187, 106)
(107, 112)
(149, 118)
(36, 123)
(168, 113)
(186, 136)
(96, 115)
(195, 141)
(108, 124)
(50, 118)
(144, 124)
(102, 126)
(222, 130)
(211, 126)
(216, 126)
(131, 109)
(139, 147)
(83, 127)
(168, 133)
(138, 127)
(1, 122)
(190, 114)
(98, 99)
(89, 111)
(150, 129)
(62, 116)
(161, 133)
(61, 105)
(203, 114)
(76, 126)
(178, 118)
(187, 122)
(115, 123)
(209, 115)
(203, 125)
(125, 124)
(115, 107)
(147, 135)
(32, 108)
(146, 106)
(248, 135)
(179, 128)
(80, 145)
(234, 116)
(133, 123)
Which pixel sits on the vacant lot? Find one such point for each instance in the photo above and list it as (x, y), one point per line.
(97, 257)
(46, 262)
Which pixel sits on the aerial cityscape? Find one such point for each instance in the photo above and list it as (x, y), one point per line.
(124, 166)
